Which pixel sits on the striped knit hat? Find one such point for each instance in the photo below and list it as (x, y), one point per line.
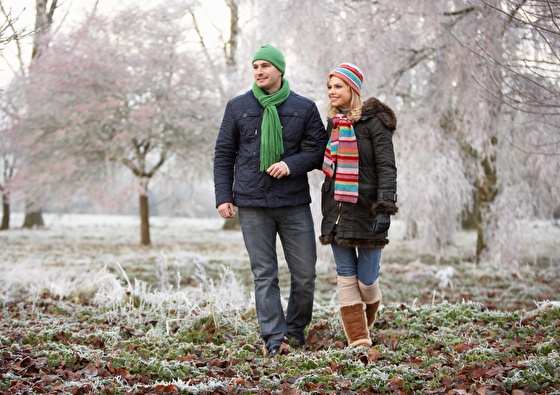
(351, 74)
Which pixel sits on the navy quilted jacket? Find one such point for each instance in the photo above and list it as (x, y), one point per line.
(237, 177)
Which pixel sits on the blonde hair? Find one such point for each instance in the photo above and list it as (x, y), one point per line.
(356, 104)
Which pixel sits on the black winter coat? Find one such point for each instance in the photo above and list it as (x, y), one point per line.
(351, 224)
(237, 177)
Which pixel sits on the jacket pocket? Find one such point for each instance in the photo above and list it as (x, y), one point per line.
(248, 121)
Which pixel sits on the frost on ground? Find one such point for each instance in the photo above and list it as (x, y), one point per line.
(99, 255)
(85, 309)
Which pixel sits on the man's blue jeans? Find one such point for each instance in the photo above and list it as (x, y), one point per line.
(294, 226)
(361, 262)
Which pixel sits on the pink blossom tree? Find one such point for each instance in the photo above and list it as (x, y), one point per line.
(128, 90)
(44, 12)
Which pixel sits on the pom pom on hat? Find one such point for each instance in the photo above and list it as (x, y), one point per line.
(273, 55)
(351, 74)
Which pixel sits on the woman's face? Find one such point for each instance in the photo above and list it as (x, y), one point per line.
(339, 92)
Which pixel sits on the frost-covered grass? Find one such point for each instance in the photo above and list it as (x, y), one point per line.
(85, 309)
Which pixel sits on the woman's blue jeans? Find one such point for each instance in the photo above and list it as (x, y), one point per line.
(361, 262)
(294, 226)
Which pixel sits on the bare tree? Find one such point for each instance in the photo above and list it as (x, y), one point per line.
(8, 30)
(8, 157)
(475, 87)
(530, 72)
(8, 167)
(44, 13)
(7, 162)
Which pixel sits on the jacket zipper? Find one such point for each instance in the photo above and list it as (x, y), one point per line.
(339, 211)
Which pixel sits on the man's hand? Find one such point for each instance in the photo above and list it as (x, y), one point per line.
(278, 170)
(227, 210)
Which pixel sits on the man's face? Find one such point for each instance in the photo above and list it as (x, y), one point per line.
(267, 77)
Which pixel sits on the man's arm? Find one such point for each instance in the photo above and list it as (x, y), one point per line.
(313, 146)
(225, 153)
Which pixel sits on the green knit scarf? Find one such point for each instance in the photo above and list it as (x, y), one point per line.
(272, 144)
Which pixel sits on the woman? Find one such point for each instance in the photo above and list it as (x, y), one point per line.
(358, 196)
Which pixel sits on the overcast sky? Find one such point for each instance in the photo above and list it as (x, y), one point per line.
(212, 14)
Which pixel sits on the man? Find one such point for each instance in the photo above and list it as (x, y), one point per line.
(270, 137)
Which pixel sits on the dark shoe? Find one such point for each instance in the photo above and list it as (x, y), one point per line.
(282, 349)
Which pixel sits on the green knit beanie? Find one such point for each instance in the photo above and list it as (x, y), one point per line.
(273, 55)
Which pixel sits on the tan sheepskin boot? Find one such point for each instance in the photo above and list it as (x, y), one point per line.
(371, 295)
(352, 312)
(371, 313)
(354, 321)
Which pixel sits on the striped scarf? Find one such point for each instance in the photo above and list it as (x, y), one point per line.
(342, 161)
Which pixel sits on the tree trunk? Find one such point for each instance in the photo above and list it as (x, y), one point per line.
(33, 219)
(232, 224)
(43, 21)
(480, 244)
(411, 231)
(5, 213)
(486, 192)
(469, 219)
(33, 216)
(144, 220)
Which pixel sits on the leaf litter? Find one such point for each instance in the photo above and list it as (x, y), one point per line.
(87, 311)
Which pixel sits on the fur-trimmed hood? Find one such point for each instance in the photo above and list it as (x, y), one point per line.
(373, 106)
